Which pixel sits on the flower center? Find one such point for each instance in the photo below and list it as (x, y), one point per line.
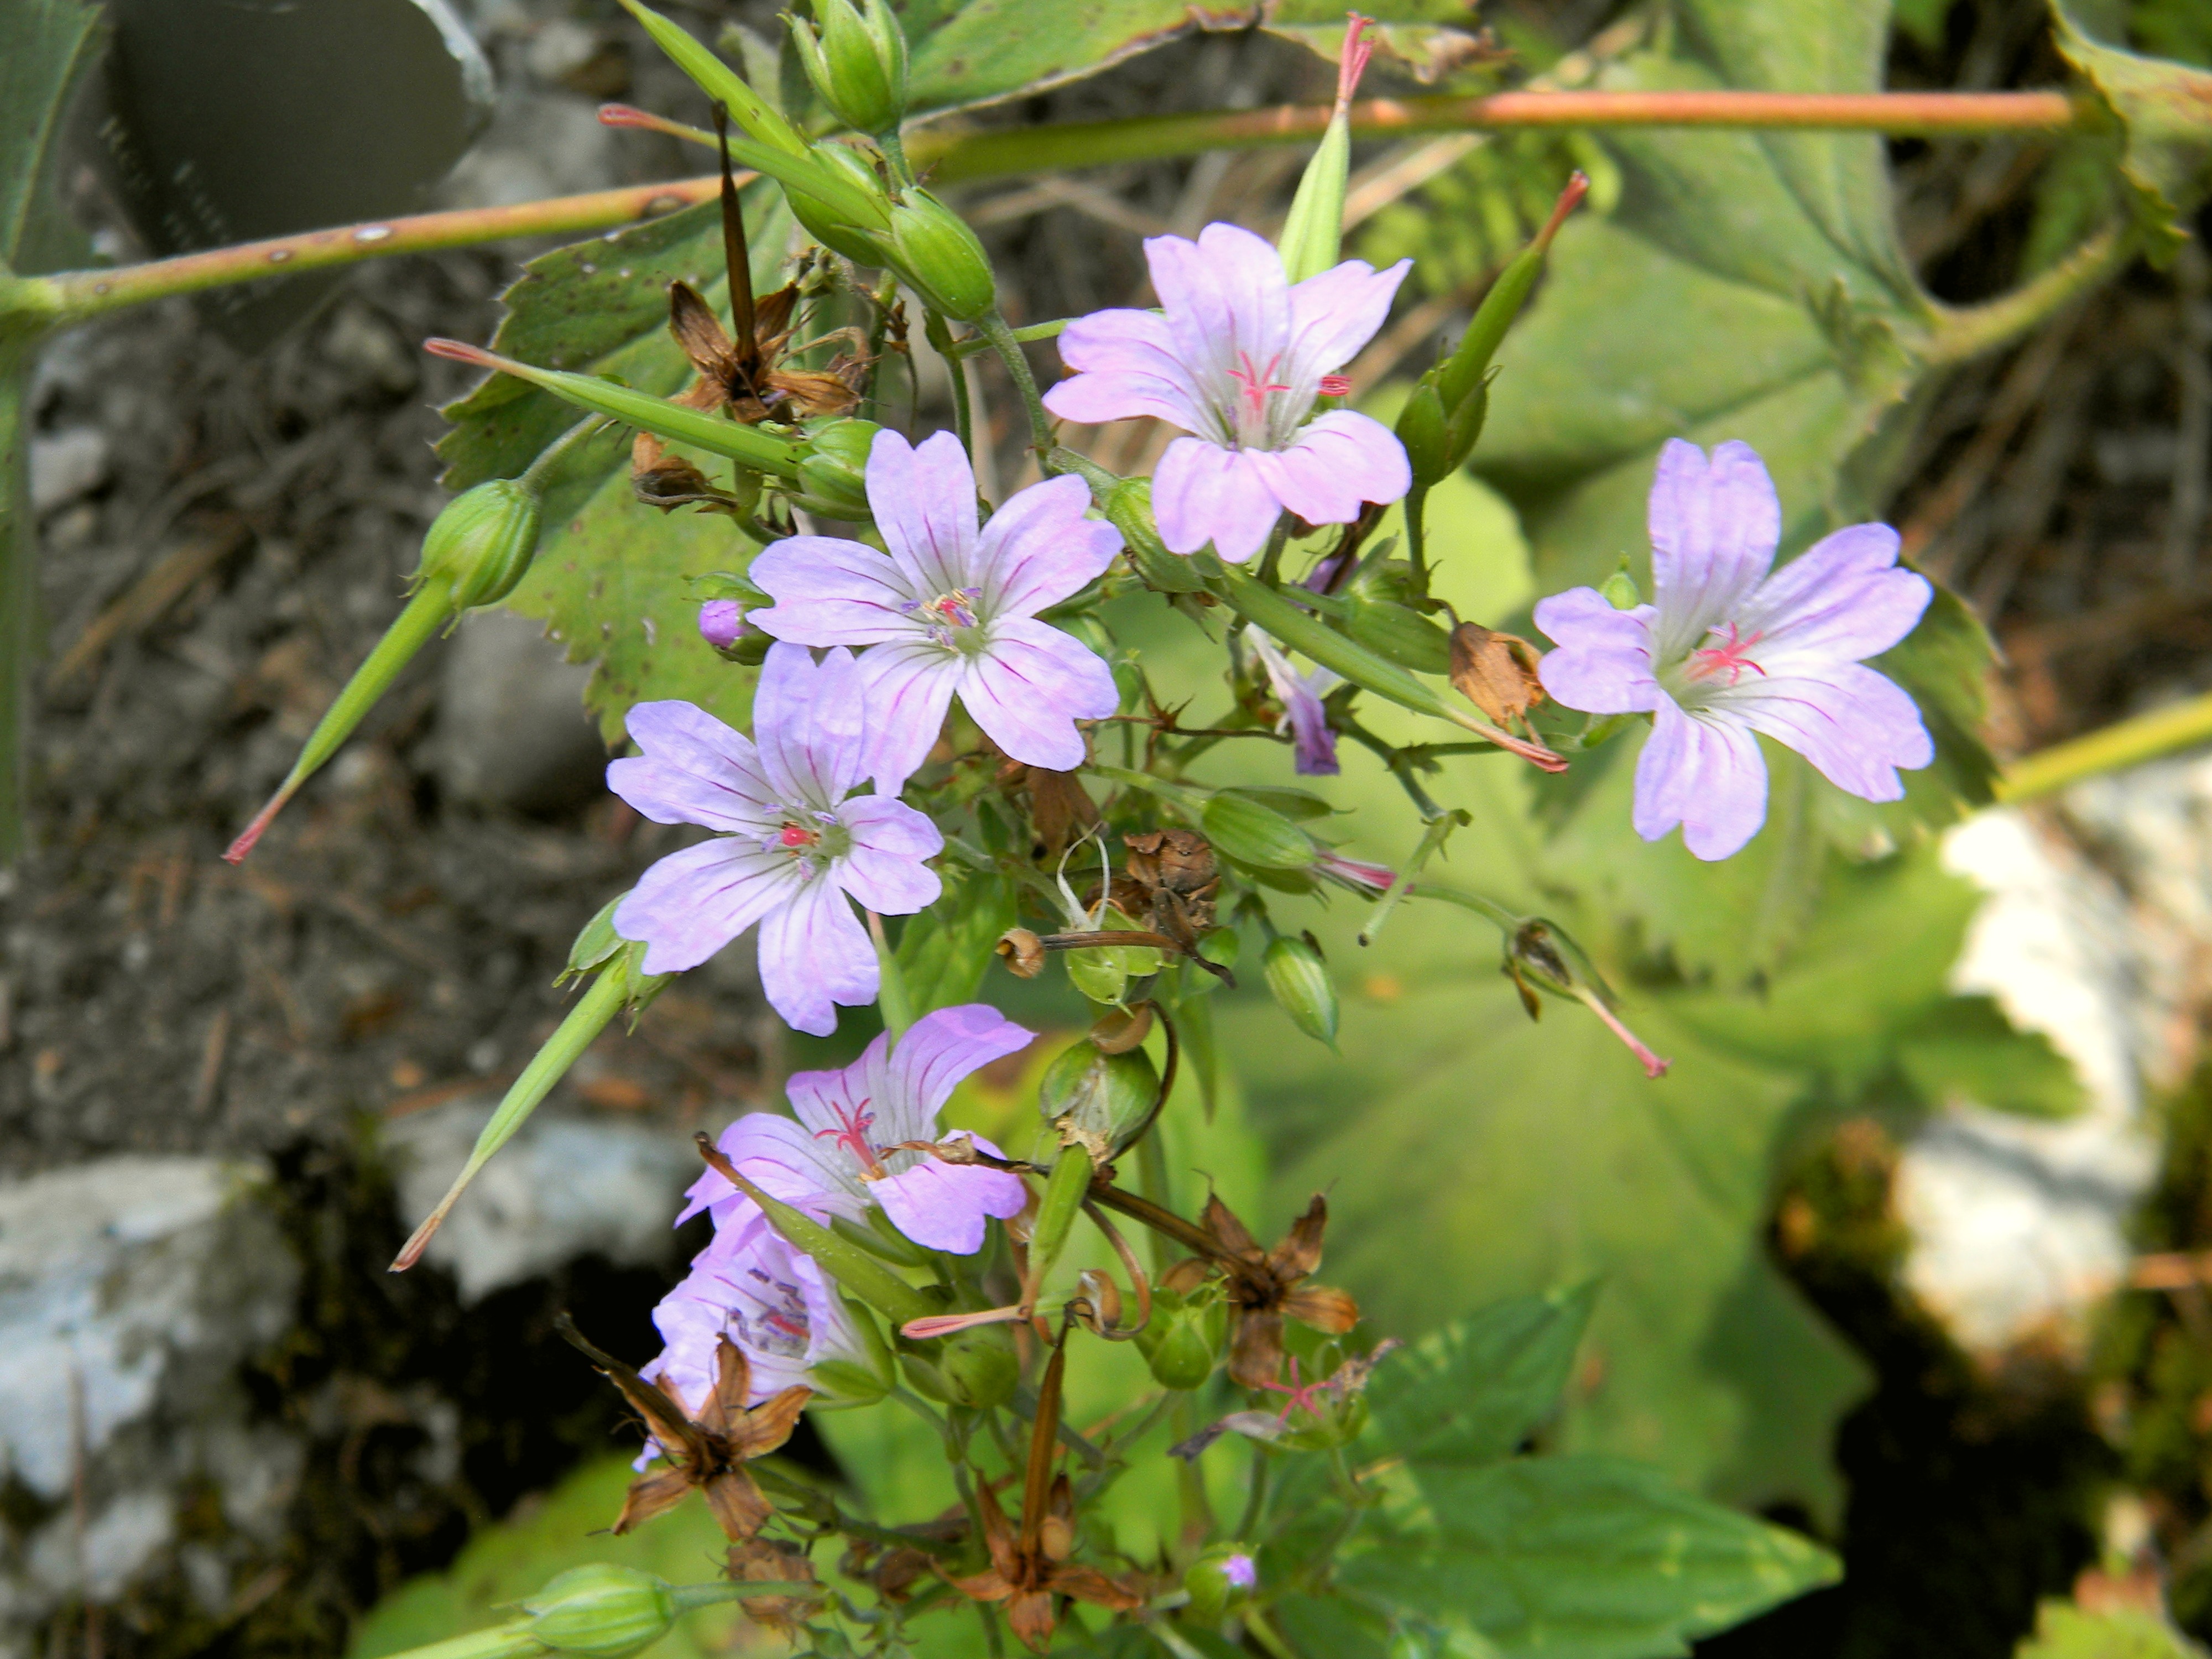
(1257, 384)
(852, 1133)
(780, 1325)
(1730, 658)
(947, 612)
(808, 838)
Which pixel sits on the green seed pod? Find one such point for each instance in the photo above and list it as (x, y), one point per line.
(1620, 590)
(602, 1610)
(865, 243)
(1176, 1345)
(1064, 1189)
(1300, 982)
(834, 468)
(1422, 429)
(1102, 1099)
(979, 1366)
(858, 66)
(933, 247)
(1400, 633)
(1241, 828)
(482, 542)
(1220, 1581)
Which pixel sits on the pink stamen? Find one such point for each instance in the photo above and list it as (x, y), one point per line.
(852, 1133)
(797, 836)
(1713, 659)
(1335, 385)
(1301, 1395)
(1258, 383)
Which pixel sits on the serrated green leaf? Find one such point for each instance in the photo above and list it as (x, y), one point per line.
(45, 46)
(1582, 1558)
(1964, 1048)
(2164, 112)
(1471, 1393)
(944, 952)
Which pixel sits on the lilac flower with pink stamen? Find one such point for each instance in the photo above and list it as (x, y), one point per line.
(953, 608)
(1314, 743)
(794, 851)
(1729, 651)
(844, 1152)
(1238, 360)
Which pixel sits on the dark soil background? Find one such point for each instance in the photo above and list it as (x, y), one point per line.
(391, 946)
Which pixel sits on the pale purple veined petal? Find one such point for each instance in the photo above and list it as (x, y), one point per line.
(1228, 306)
(923, 497)
(1039, 549)
(1028, 688)
(809, 721)
(695, 770)
(1704, 773)
(1339, 461)
(943, 1206)
(1335, 314)
(814, 954)
(1603, 665)
(1857, 725)
(1126, 368)
(1715, 525)
(910, 686)
(831, 591)
(784, 1161)
(1314, 743)
(882, 868)
(693, 902)
(1203, 493)
(1841, 600)
(938, 1050)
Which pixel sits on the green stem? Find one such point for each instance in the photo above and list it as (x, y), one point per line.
(892, 999)
(939, 335)
(1432, 840)
(1960, 335)
(2114, 748)
(993, 325)
(1255, 1498)
(1051, 330)
(1474, 901)
(1417, 536)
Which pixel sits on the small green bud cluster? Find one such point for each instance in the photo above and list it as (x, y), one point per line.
(857, 63)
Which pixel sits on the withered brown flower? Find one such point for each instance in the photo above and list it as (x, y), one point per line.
(763, 1561)
(1261, 1286)
(1496, 673)
(709, 1451)
(1175, 880)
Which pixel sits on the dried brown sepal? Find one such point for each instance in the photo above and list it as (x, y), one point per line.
(1496, 673)
(1022, 952)
(659, 479)
(764, 1561)
(1175, 874)
(1262, 1286)
(1060, 809)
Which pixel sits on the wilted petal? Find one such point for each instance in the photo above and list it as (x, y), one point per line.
(809, 720)
(694, 770)
(923, 497)
(691, 903)
(1315, 744)
(1339, 461)
(942, 1207)
(1714, 526)
(884, 869)
(1841, 600)
(1031, 685)
(814, 953)
(1705, 774)
(1857, 725)
(1203, 493)
(910, 686)
(829, 591)
(1603, 665)
(1126, 368)
(1039, 549)
(1335, 314)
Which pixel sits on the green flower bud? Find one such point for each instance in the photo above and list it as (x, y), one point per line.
(936, 251)
(1620, 590)
(1420, 427)
(858, 66)
(1241, 828)
(1380, 614)
(1220, 1581)
(483, 542)
(602, 1610)
(834, 468)
(1300, 982)
(1176, 1345)
(1100, 1100)
(834, 229)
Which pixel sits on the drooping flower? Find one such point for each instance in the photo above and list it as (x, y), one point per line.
(1728, 651)
(844, 1152)
(1300, 695)
(1358, 874)
(794, 846)
(953, 608)
(1237, 361)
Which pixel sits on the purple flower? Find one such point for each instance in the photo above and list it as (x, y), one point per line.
(1300, 695)
(843, 1153)
(952, 609)
(721, 622)
(1238, 360)
(1240, 1570)
(1728, 651)
(769, 1298)
(793, 845)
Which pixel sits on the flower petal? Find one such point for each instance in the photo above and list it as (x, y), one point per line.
(884, 869)
(923, 497)
(1841, 600)
(813, 953)
(828, 591)
(691, 903)
(695, 770)
(809, 720)
(1705, 773)
(1038, 549)
(1224, 294)
(942, 1207)
(1126, 368)
(910, 686)
(1029, 687)
(1338, 460)
(938, 1051)
(1858, 726)
(1204, 493)
(1714, 527)
(1603, 663)
(1335, 314)
(784, 1161)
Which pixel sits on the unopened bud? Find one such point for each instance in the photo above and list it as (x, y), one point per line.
(1299, 981)
(837, 231)
(1176, 1344)
(1099, 1101)
(1021, 951)
(482, 542)
(1244, 829)
(1536, 960)
(1620, 590)
(858, 64)
(976, 1368)
(1220, 1581)
(939, 256)
(601, 1610)
(835, 465)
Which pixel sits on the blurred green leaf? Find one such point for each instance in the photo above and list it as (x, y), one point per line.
(2064, 1631)
(2164, 112)
(944, 952)
(45, 46)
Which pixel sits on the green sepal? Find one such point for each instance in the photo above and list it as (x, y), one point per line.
(1129, 508)
(1253, 833)
(1065, 1190)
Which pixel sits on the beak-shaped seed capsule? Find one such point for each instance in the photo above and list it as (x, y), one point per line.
(1538, 956)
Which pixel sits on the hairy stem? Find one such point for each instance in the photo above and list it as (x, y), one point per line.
(1960, 335)
(994, 327)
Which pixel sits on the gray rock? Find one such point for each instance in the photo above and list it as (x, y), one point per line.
(564, 1186)
(130, 1291)
(513, 731)
(67, 464)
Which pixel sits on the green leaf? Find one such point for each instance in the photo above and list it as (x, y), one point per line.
(1964, 1048)
(1582, 1558)
(2064, 1631)
(944, 952)
(1471, 1393)
(2164, 112)
(45, 46)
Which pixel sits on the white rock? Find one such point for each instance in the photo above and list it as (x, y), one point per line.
(564, 1186)
(65, 465)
